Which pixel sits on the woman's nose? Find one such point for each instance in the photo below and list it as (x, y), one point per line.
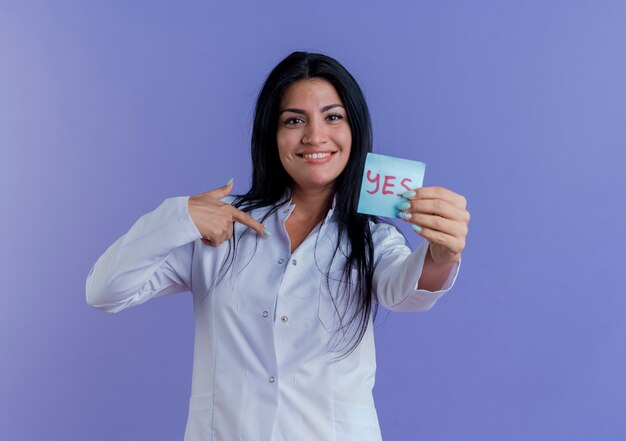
(314, 133)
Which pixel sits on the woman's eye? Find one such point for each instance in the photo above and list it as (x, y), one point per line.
(293, 120)
(335, 117)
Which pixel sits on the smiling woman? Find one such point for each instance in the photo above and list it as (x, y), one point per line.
(313, 136)
(284, 343)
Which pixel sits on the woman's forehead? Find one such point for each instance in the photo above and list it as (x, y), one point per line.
(311, 91)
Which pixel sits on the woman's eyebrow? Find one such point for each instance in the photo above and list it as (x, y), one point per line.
(302, 112)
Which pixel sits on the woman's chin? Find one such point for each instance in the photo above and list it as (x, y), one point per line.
(315, 183)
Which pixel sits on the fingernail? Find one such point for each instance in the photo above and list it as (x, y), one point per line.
(409, 194)
(404, 215)
(229, 181)
(403, 206)
(416, 228)
(266, 232)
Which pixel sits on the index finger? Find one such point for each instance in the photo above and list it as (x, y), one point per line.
(246, 219)
(436, 192)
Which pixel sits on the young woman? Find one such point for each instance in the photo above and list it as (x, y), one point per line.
(287, 277)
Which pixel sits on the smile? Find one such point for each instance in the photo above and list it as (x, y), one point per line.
(316, 155)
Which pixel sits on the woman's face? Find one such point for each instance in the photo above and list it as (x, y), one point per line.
(313, 134)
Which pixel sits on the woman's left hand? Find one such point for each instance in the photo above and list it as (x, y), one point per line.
(440, 216)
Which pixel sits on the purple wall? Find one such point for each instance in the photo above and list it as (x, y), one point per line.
(106, 109)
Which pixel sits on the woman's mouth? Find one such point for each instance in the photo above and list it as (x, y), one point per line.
(316, 157)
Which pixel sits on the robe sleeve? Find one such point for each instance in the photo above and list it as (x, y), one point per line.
(152, 259)
(397, 272)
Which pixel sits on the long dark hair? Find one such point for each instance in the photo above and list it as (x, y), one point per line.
(270, 181)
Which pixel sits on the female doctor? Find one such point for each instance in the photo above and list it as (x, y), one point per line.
(286, 278)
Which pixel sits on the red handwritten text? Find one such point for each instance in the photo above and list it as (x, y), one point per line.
(387, 183)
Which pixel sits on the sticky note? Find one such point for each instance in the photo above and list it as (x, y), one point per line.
(385, 179)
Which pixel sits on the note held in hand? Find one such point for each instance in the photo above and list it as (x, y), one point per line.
(385, 180)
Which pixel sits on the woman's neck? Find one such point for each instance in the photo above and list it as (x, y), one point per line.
(312, 204)
(311, 209)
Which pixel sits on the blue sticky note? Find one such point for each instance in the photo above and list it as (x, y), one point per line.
(385, 179)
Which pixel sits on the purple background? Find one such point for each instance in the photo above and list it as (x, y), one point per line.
(107, 108)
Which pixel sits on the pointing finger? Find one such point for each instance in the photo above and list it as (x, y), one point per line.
(246, 219)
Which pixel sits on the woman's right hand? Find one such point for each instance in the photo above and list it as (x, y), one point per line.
(214, 218)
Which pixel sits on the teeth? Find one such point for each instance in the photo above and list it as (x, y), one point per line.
(316, 155)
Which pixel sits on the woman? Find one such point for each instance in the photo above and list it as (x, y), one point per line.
(284, 278)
